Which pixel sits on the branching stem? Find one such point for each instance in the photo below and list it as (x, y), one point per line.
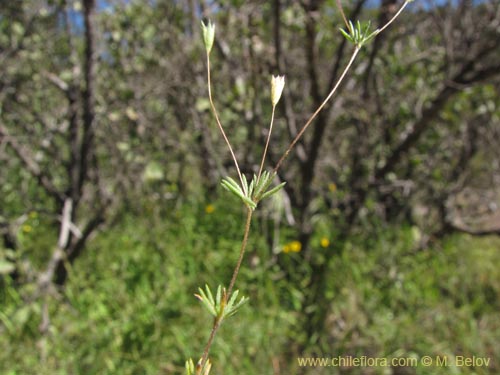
(218, 319)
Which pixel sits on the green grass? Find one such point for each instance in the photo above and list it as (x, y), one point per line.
(129, 306)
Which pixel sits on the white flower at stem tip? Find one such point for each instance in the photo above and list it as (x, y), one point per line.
(277, 85)
(208, 35)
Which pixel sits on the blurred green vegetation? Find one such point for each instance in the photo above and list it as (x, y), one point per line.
(129, 308)
(104, 109)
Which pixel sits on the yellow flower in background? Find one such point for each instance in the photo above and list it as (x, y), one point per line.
(209, 208)
(332, 187)
(27, 228)
(295, 246)
(325, 242)
(292, 247)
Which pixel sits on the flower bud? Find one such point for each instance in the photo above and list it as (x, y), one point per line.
(208, 35)
(277, 85)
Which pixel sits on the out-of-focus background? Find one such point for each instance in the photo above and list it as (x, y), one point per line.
(384, 242)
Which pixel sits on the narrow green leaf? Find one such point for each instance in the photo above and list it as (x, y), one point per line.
(351, 27)
(346, 35)
(266, 180)
(273, 190)
(245, 184)
(367, 29)
(234, 183)
(252, 185)
(259, 184)
(217, 298)
(189, 367)
(233, 298)
(236, 191)
(209, 294)
(235, 308)
(206, 301)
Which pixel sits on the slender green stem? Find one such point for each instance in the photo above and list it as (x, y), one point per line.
(267, 144)
(216, 115)
(210, 341)
(313, 116)
(217, 320)
(242, 251)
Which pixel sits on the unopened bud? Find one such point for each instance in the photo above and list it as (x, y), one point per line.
(277, 85)
(208, 35)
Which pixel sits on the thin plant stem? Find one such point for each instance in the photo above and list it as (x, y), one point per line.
(313, 116)
(341, 9)
(210, 341)
(395, 16)
(216, 115)
(217, 320)
(267, 143)
(242, 251)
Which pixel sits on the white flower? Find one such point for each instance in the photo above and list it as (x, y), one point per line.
(277, 85)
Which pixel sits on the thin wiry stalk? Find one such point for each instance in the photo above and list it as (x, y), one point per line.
(217, 320)
(395, 16)
(216, 115)
(267, 143)
(242, 251)
(210, 341)
(341, 9)
(313, 116)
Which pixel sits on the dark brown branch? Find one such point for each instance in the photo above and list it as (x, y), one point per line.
(88, 92)
(310, 47)
(467, 76)
(41, 176)
(76, 247)
(386, 8)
